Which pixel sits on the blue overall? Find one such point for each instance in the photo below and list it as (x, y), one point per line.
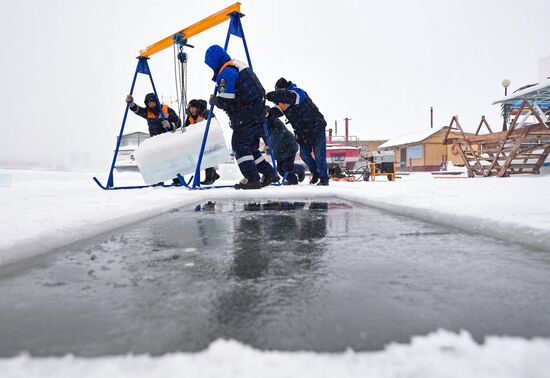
(241, 96)
(309, 127)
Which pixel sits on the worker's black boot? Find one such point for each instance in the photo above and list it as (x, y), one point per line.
(314, 179)
(291, 179)
(265, 181)
(248, 184)
(215, 175)
(210, 176)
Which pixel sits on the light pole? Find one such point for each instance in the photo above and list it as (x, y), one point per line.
(505, 83)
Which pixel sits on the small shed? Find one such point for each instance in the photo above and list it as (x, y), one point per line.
(128, 144)
(422, 151)
(133, 140)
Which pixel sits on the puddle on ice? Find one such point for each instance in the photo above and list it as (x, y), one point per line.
(288, 275)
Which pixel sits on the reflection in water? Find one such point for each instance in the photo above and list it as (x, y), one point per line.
(250, 259)
(260, 239)
(280, 244)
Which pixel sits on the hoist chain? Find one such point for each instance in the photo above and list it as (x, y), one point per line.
(180, 73)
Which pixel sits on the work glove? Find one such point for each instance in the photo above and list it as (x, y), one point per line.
(166, 124)
(130, 100)
(271, 96)
(275, 112)
(213, 100)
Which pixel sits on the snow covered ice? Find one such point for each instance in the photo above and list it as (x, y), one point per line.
(43, 211)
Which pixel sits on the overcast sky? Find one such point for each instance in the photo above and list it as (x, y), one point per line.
(67, 65)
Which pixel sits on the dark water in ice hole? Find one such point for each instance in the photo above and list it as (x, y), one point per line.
(320, 276)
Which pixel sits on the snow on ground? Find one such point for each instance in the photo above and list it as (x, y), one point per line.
(45, 210)
(439, 354)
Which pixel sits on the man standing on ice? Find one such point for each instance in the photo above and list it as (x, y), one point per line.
(157, 123)
(241, 96)
(308, 124)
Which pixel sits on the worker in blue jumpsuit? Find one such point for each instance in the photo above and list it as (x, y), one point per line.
(308, 124)
(241, 96)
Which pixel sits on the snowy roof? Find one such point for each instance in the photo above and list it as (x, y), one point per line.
(416, 136)
(539, 92)
(134, 133)
(340, 147)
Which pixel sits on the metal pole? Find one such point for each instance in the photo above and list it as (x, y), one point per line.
(110, 180)
(347, 130)
(431, 117)
(197, 178)
(237, 18)
(161, 114)
(505, 107)
(505, 112)
(246, 49)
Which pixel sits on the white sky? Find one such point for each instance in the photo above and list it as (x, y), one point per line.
(67, 65)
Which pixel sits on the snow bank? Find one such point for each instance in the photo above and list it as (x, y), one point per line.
(439, 354)
(502, 218)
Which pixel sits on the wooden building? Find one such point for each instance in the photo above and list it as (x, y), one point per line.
(422, 151)
(369, 145)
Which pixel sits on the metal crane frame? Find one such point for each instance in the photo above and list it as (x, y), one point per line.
(231, 13)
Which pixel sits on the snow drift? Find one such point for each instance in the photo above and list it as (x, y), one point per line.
(439, 354)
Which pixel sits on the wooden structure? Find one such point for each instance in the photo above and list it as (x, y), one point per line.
(522, 149)
(422, 151)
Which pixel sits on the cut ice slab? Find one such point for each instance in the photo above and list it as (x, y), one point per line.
(164, 156)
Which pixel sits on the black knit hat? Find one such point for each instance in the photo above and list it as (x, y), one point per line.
(282, 83)
(194, 103)
(150, 97)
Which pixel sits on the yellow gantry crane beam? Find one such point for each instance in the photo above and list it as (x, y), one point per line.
(192, 30)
